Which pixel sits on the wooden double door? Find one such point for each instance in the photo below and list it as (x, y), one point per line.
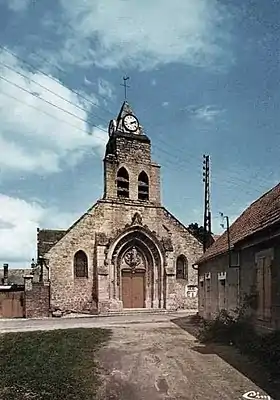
(133, 289)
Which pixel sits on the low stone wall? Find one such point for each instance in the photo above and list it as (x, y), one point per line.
(37, 301)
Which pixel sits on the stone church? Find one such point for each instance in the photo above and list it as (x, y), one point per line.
(127, 251)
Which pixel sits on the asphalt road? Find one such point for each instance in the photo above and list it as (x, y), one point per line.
(150, 357)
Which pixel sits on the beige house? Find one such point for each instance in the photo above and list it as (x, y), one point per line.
(127, 251)
(251, 275)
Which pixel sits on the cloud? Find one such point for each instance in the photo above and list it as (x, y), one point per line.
(35, 136)
(19, 220)
(207, 113)
(105, 89)
(144, 34)
(165, 104)
(87, 81)
(18, 5)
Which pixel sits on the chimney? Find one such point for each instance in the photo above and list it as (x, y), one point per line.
(5, 280)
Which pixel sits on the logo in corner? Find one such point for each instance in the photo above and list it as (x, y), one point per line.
(255, 395)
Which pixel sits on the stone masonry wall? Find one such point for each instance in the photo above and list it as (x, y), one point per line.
(37, 301)
(133, 169)
(109, 217)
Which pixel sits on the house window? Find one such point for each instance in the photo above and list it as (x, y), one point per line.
(143, 186)
(181, 267)
(263, 285)
(122, 183)
(80, 265)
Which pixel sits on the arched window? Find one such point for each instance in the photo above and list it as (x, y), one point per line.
(80, 265)
(181, 267)
(143, 186)
(122, 183)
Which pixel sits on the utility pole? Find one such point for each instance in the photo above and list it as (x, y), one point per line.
(207, 213)
(225, 217)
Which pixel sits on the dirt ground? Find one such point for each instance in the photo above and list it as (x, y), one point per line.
(153, 357)
(162, 361)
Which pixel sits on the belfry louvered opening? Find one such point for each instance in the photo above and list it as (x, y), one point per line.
(122, 183)
(143, 186)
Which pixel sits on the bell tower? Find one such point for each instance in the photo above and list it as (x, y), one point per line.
(129, 173)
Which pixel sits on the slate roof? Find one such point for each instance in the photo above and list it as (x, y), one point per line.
(261, 214)
(47, 238)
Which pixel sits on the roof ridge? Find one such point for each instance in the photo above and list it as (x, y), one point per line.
(259, 215)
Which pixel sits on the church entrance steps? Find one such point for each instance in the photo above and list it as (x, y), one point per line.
(131, 311)
(144, 311)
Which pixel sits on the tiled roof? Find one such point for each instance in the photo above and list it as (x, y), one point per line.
(261, 214)
(47, 238)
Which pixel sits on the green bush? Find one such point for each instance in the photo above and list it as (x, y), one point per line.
(218, 330)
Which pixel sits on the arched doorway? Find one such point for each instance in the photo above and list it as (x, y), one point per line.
(138, 270)
(133, 278)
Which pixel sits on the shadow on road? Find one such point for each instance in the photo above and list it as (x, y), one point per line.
(247, 367)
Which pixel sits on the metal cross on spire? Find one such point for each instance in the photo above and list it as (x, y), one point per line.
(125, 85)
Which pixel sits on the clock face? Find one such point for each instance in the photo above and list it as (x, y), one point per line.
(131, 123)
(112, 127)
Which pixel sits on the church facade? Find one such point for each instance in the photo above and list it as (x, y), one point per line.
(127, 251)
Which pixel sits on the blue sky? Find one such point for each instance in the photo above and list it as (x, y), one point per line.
(204, 78)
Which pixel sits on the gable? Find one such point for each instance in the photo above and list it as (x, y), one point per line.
(48, 238)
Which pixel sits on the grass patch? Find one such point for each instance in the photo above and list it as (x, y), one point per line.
(59, 364)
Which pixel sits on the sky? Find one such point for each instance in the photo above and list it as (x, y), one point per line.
(204, 79)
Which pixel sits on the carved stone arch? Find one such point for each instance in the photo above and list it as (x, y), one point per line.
(150, 255)
(150, 261)
(139, 231)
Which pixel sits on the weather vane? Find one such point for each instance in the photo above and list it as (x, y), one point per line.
(125, 85)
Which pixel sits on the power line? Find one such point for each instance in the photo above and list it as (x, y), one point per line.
(52, 78)
(72, 90)
(45, 59)
(50, 91)
(49, 102)
(166, 161)
(86, 122)
(72, 125)
(50, 115)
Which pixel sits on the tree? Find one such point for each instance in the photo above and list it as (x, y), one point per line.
(198, 232)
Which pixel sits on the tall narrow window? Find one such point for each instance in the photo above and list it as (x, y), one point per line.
(143, 186)
(122, 183)
(181, 267)
(80, 265)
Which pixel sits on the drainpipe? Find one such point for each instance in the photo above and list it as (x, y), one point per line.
(6, 273)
